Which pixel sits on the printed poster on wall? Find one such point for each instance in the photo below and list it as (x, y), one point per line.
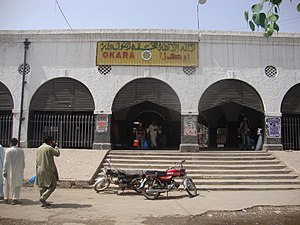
(190, 126)
(273, 125)
(102, 123)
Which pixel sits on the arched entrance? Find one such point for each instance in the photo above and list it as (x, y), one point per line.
(64, 109)
(6, 118)
(144, 100)
(290, 109)
(222, 107)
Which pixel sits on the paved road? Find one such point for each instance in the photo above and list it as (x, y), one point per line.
(84, 206)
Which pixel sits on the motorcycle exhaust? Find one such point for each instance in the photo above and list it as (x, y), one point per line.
(157, 190)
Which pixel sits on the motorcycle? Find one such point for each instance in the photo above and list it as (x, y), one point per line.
(125, 179)
(156, 182)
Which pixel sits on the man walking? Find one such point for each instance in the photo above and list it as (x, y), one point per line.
(13, 172)
(46, 171)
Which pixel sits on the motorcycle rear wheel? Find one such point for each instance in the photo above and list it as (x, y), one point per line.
(147, 190)
(136, 185)
(190, 187)
(101, 184)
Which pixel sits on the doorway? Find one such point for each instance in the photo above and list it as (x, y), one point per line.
(223, 106)
(144, 100)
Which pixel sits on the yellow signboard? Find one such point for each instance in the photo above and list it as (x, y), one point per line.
(152, 53)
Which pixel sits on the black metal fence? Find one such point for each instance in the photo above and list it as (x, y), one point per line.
(6, 122)
(291, 132)
(69, 130)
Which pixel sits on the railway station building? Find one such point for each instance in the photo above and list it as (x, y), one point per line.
(90, 89)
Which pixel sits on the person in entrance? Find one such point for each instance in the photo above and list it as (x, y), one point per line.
(244, 130)
(153, 129)
(140, 135)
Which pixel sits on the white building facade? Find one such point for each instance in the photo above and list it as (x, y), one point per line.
(89, 88)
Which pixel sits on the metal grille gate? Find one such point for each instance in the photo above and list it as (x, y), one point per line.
(291, 132)
(69, 130)
(6, 122)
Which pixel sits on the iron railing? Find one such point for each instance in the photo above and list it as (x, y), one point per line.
(6, 122)
(68, 130)
(291, 132)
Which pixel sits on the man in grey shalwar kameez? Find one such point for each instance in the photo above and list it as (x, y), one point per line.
(46, 171)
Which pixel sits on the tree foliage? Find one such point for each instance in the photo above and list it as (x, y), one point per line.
(265, 15)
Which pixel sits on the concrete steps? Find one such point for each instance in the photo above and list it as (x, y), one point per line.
(215, 170)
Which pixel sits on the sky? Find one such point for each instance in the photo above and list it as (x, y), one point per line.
(224, 15)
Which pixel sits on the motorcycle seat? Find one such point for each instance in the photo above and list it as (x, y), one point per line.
(155, 172)
(131, 172)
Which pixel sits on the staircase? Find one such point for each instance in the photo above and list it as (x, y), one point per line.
(215, 170)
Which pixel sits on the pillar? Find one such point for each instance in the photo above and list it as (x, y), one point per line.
(24, 126)
(272, 133)
(102, 139)
(189, 138)
(212, 137)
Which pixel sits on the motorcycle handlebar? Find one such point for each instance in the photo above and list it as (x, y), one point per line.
(180, 164)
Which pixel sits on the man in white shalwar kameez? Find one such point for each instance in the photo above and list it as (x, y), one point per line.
(153, 128)
(13, 172)
(1, 169)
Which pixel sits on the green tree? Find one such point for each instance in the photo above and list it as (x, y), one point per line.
(265, 15)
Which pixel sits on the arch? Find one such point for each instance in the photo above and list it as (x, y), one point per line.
(290, 109)
(62, 94)
(6, 117)
(146, 99)
(63, 108)
(290, 103)
(146, 89)
(6, 100)
(222, 106)
(231, 90)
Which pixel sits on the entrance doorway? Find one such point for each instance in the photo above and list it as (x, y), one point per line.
(145, 100)
(221, 109)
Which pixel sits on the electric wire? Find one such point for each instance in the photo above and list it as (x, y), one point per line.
(60, 9)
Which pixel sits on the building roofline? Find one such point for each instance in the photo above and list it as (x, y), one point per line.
(143, 31)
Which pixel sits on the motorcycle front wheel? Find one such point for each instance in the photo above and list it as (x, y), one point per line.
(101, 184)
(148, 190)
(190, 187)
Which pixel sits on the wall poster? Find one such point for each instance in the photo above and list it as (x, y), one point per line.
(101, 123)
(273, 125)
(190, 126)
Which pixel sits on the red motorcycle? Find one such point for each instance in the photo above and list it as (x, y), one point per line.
(155, 182)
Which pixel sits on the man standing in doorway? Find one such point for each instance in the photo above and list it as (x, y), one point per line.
(13, 172)
(46, 171)
(153, 128)
(244, 129)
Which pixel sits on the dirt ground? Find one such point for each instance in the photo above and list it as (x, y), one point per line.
(259, 215)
